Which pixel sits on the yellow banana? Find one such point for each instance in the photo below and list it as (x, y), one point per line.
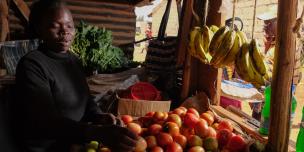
(230, 58)
(243, 36)
(217, 39)
(258, 79)
(243, 66)
(213, 28)
(200, 53)
(207, 36)
(224, 48)
(257, 58)
(192, 36)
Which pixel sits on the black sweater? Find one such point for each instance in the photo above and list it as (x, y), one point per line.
(52, 100)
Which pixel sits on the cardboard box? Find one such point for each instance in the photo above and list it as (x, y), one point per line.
(138, 108)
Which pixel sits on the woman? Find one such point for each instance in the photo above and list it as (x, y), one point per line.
(53, 106)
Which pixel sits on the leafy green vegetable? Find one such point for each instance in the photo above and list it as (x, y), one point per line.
(94, 47)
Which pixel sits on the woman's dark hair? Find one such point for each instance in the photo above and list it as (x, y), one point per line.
(39, 9)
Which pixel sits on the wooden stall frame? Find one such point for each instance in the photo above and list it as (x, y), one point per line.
(4, 20)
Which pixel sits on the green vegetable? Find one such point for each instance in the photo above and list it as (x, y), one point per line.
(93, 45)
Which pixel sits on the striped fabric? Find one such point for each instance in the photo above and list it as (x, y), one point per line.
(12, 51)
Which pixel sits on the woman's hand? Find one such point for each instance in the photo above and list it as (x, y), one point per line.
(117, 138)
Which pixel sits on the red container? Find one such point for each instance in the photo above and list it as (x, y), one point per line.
(144, 91)
(225, 102)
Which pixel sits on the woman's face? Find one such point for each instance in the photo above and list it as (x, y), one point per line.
(57, 29)
(270, 28)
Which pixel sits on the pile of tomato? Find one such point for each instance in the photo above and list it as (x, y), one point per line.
(184, 130)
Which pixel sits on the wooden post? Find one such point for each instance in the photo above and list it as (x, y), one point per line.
(280, 107)
(4, 20)
(209, 78)
(23, 8)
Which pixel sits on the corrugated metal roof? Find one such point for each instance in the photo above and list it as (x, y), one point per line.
(117, 16)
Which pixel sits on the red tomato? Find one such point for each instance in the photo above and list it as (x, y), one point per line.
(141, 145)
(201, 128)
(190, 120)
(236, 144)
(126, 119)
(146, 121)
(163, 139)
(134, 127)
(175, 118)
(186, 131)
(212, 132)
(155, 129)
(194, 111)
(174, 147)
(171, 128)
(151, 141)
(208, 117)
(157, 149)
(150, 114)
(225, 124)
(223, 136)
(181, 140)
(179, 112)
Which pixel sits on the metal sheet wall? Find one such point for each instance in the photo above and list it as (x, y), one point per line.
(120, 18)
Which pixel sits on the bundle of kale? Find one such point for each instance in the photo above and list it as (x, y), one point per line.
(94, 47)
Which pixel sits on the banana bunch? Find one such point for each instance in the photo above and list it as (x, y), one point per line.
(225, 46)
(199, 41)
(251, 65)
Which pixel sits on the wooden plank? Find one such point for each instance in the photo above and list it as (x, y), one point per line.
(23, 8)
(282, 77)
(4, 20)
(184, 30)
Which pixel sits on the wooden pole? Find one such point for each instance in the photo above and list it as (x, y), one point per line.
(23, 8)
(280, 107)
(4, 20)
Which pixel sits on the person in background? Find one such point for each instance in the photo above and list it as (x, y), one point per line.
(53, 108)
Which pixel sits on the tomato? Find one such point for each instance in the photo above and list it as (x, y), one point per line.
(186, 131)
(159, 116)
(208, 117)
(201, 128)
(126, 118)
(151, 141)
(212, 132)
(144, 132)
(194, 111)
(236, 144)
(183, 108)
(179, 112)
(215, 125)
(210, 144)
(223, 136)
(104, 149)
(141, 145)
(157, 149)
(174, 147)
(163, 139)
(134, 127)
(225, 124)
(181, 140)
(175, 118)
(171, 128)
(145, 121)
(165, 115)
(195, 140)
(190, 120)
(155, 129)
(150, 114)
(196, 149)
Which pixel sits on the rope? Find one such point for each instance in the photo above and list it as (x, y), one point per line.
(254, 14)
(233, 13)
(196, 17)
(299, 21)
(205, 12)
